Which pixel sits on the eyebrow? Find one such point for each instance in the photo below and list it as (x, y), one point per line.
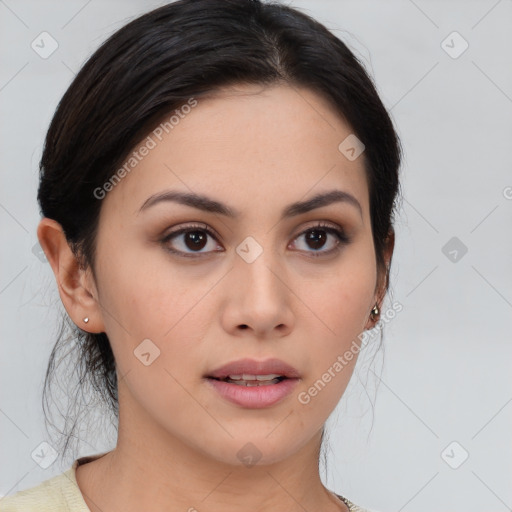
(210, 205)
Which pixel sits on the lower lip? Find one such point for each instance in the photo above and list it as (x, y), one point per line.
(254, 397)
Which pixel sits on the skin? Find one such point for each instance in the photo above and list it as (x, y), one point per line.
(257, 150)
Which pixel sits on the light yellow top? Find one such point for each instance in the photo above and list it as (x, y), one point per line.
(58, 494)
(62, 494)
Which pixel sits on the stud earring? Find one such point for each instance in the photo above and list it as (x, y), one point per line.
(375, 311)
(86, 319)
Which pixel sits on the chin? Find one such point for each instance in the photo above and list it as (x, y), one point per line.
(249, 451)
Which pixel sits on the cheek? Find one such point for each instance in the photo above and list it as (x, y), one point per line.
(341, 298)
(151, 322)
(146, 297)
(338, 307)
(141, 301)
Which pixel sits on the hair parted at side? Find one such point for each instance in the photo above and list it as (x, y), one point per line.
(154, 65)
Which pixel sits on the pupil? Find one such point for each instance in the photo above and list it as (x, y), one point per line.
(197, 239)
(317, 238)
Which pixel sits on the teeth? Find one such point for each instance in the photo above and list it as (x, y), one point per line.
(247, 379)
(247, 376)
(253, 383)
(272, 376)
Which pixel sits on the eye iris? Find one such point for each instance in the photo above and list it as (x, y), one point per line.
(317, 238)
(198, 239)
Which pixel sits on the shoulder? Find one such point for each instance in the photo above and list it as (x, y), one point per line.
(60, 493)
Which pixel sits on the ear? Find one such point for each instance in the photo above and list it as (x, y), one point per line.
(383, 280)
(381, 287)
(77, 289)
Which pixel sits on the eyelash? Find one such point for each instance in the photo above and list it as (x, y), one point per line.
(343, 239)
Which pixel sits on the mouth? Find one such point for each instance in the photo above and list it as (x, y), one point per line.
(254, 384)
(252, 380)
(252, 372)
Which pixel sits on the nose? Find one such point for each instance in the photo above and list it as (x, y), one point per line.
(259, 300)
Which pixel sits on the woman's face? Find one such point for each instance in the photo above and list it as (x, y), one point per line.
(252, 278)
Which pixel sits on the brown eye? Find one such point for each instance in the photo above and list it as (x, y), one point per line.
(321, 235)
(191, 241)
(316, 238)
(195, 240)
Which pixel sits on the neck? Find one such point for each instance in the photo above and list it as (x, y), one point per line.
(150, 465)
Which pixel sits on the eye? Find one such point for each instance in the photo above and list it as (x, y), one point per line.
(189, 241)
(193, 238)
(317, 236)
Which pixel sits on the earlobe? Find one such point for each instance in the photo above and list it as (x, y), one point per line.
(373, 317)
(72, 281)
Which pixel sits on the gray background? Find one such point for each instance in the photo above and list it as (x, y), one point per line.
(444, 374)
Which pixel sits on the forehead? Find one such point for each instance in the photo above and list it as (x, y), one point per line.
(244, 144)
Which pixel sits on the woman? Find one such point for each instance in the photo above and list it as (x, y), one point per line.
(217, 191)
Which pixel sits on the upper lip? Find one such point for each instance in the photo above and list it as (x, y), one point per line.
(254, 367)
